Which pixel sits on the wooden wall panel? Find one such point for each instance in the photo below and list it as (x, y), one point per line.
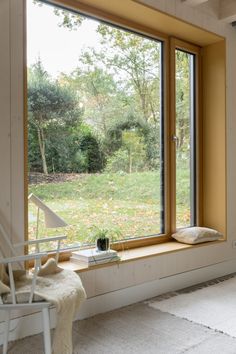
(214, 137)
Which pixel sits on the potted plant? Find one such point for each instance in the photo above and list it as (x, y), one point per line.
(104, 237)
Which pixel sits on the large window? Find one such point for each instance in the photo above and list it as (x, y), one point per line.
(98, 127)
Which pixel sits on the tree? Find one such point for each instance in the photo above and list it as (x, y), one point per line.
(133, 62)
(183, 99)
(68, 19)
(100, 95)
(104, 104)
(49, 104)
(90, 151)
(134, 55)
(121, 80)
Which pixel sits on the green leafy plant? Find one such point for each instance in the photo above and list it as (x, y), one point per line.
(103, 233)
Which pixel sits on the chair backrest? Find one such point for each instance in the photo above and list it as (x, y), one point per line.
(19, 259)
(17, 262)
(6, 247)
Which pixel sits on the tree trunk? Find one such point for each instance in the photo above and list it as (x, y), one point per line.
(42, 149)
(130, 161)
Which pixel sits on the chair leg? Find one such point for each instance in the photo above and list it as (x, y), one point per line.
(6, 332)
(46, 330)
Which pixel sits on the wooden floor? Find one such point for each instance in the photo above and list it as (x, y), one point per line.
(137, 329)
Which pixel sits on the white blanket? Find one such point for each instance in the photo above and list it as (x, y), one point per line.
(65, 291)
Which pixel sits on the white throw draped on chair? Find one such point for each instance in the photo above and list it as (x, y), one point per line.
(65, 291)
(55, 286)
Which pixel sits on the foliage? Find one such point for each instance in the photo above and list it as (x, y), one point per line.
(101, 233)
(102, 102)
(118, 162)
(131, 157)
(183, 99)
(56, 135)
(138, 58)
(50, 107)
(90, 152)
(115, 89)
(68, 19)
(120, 85)
(34, 156)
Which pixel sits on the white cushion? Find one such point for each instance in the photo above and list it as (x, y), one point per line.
(194, 235)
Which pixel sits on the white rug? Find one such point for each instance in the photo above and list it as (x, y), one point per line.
(213, 306)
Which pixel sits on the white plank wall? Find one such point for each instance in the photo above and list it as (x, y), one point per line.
(113, 278)
(17, 124)
(11, 118)
(5, 114)
(112, 283)
(31, 324)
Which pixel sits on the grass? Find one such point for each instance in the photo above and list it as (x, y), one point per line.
(135, 186)
(128, 202)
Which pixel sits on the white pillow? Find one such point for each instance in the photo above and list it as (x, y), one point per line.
(193, 235)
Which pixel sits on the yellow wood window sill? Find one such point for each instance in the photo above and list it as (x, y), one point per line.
(136, 253)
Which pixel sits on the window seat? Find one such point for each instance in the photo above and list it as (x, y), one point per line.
(137, 253)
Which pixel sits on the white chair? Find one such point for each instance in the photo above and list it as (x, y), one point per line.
(11, 301)
(30, 305)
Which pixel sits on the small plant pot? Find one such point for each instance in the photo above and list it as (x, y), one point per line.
(103, 244)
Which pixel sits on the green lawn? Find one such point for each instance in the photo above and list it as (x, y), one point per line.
(128, 202)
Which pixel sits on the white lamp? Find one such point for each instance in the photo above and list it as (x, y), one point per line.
(52, 220)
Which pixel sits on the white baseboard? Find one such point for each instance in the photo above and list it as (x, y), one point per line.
(31, 324)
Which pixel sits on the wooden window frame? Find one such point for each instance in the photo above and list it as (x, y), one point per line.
(191, 49)
(169, 46)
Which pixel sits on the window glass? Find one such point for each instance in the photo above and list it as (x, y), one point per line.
(95, 125)
(185, 139)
